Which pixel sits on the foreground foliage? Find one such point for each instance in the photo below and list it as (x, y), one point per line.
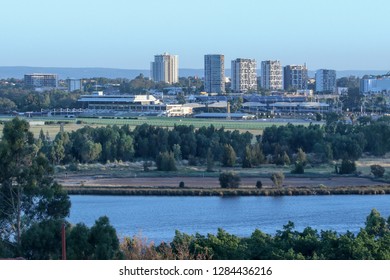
(28, 192)
(43, 241)
(371, 243)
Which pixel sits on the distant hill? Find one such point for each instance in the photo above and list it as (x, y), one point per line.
(79, 73)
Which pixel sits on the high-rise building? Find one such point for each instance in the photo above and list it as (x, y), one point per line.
(214, 73)
(165, 68)
(295, 77)
(40, 80)
(74, 85)
(271, 75)
(326, 80)
(244, 77)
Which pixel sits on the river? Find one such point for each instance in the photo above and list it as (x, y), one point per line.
(156, 218)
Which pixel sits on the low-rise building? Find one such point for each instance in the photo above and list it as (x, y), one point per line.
(375, 84)
(142, 104)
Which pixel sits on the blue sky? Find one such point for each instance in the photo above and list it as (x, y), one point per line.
(341, 35)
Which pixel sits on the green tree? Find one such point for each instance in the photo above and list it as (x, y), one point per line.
(229, 180)
(301, 157)
(176, 151)
(42, 241)
(166, 162)
(257, 156)
(377, 170)
(286, 159)
(104, 240)
(347, 166)
(210, 161)
(375, 224)
(277, 178)
(229, 156)
(7, 105)
(78, 245)
(298, 168)
(300, 162)
(57, 151)
(226, 246)
(90, 151)
(28, 192)
(247, 159)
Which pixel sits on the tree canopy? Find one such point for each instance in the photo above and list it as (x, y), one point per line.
(28, 192)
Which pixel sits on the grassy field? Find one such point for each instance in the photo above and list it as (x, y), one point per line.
(52, 129)
(126, 169)
(255, 127)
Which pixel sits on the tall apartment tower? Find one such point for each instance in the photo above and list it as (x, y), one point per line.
(326, 80)
(214, 73)
(244, 77)
(74, 84)
(271, 75)
(165, 68)
(40, 80)
(295, 77)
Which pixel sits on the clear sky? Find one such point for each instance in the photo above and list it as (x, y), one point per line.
(336, 34)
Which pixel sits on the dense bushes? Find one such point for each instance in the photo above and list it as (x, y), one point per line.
(370, 243)
(166, 162)
(43, 241)
(377, 170)
(347, 167)
(229, 180)
(277, 178)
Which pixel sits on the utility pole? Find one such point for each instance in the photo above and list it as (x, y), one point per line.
(63, 239)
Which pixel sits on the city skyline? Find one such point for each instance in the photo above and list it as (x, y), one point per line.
(125, 34)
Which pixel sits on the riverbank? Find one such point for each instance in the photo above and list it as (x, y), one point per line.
(174, 191)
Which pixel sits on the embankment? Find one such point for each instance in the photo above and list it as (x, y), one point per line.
(175, 191)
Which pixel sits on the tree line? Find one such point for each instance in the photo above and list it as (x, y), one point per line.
(100, 242)
(146, 142)
(22, 99)
(281, 145)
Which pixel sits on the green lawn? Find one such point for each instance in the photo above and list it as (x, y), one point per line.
(254, 126)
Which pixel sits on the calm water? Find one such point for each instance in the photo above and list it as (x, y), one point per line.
(157, 217)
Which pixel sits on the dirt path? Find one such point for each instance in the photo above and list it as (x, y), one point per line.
(210, 182)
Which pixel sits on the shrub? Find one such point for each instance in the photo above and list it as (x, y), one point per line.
(192, 161)
(73, 167)
(298, 169)
(146, 166)
(277, 178)
(347, 167)
(166, 162)
(229, 180)
(377, 170)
